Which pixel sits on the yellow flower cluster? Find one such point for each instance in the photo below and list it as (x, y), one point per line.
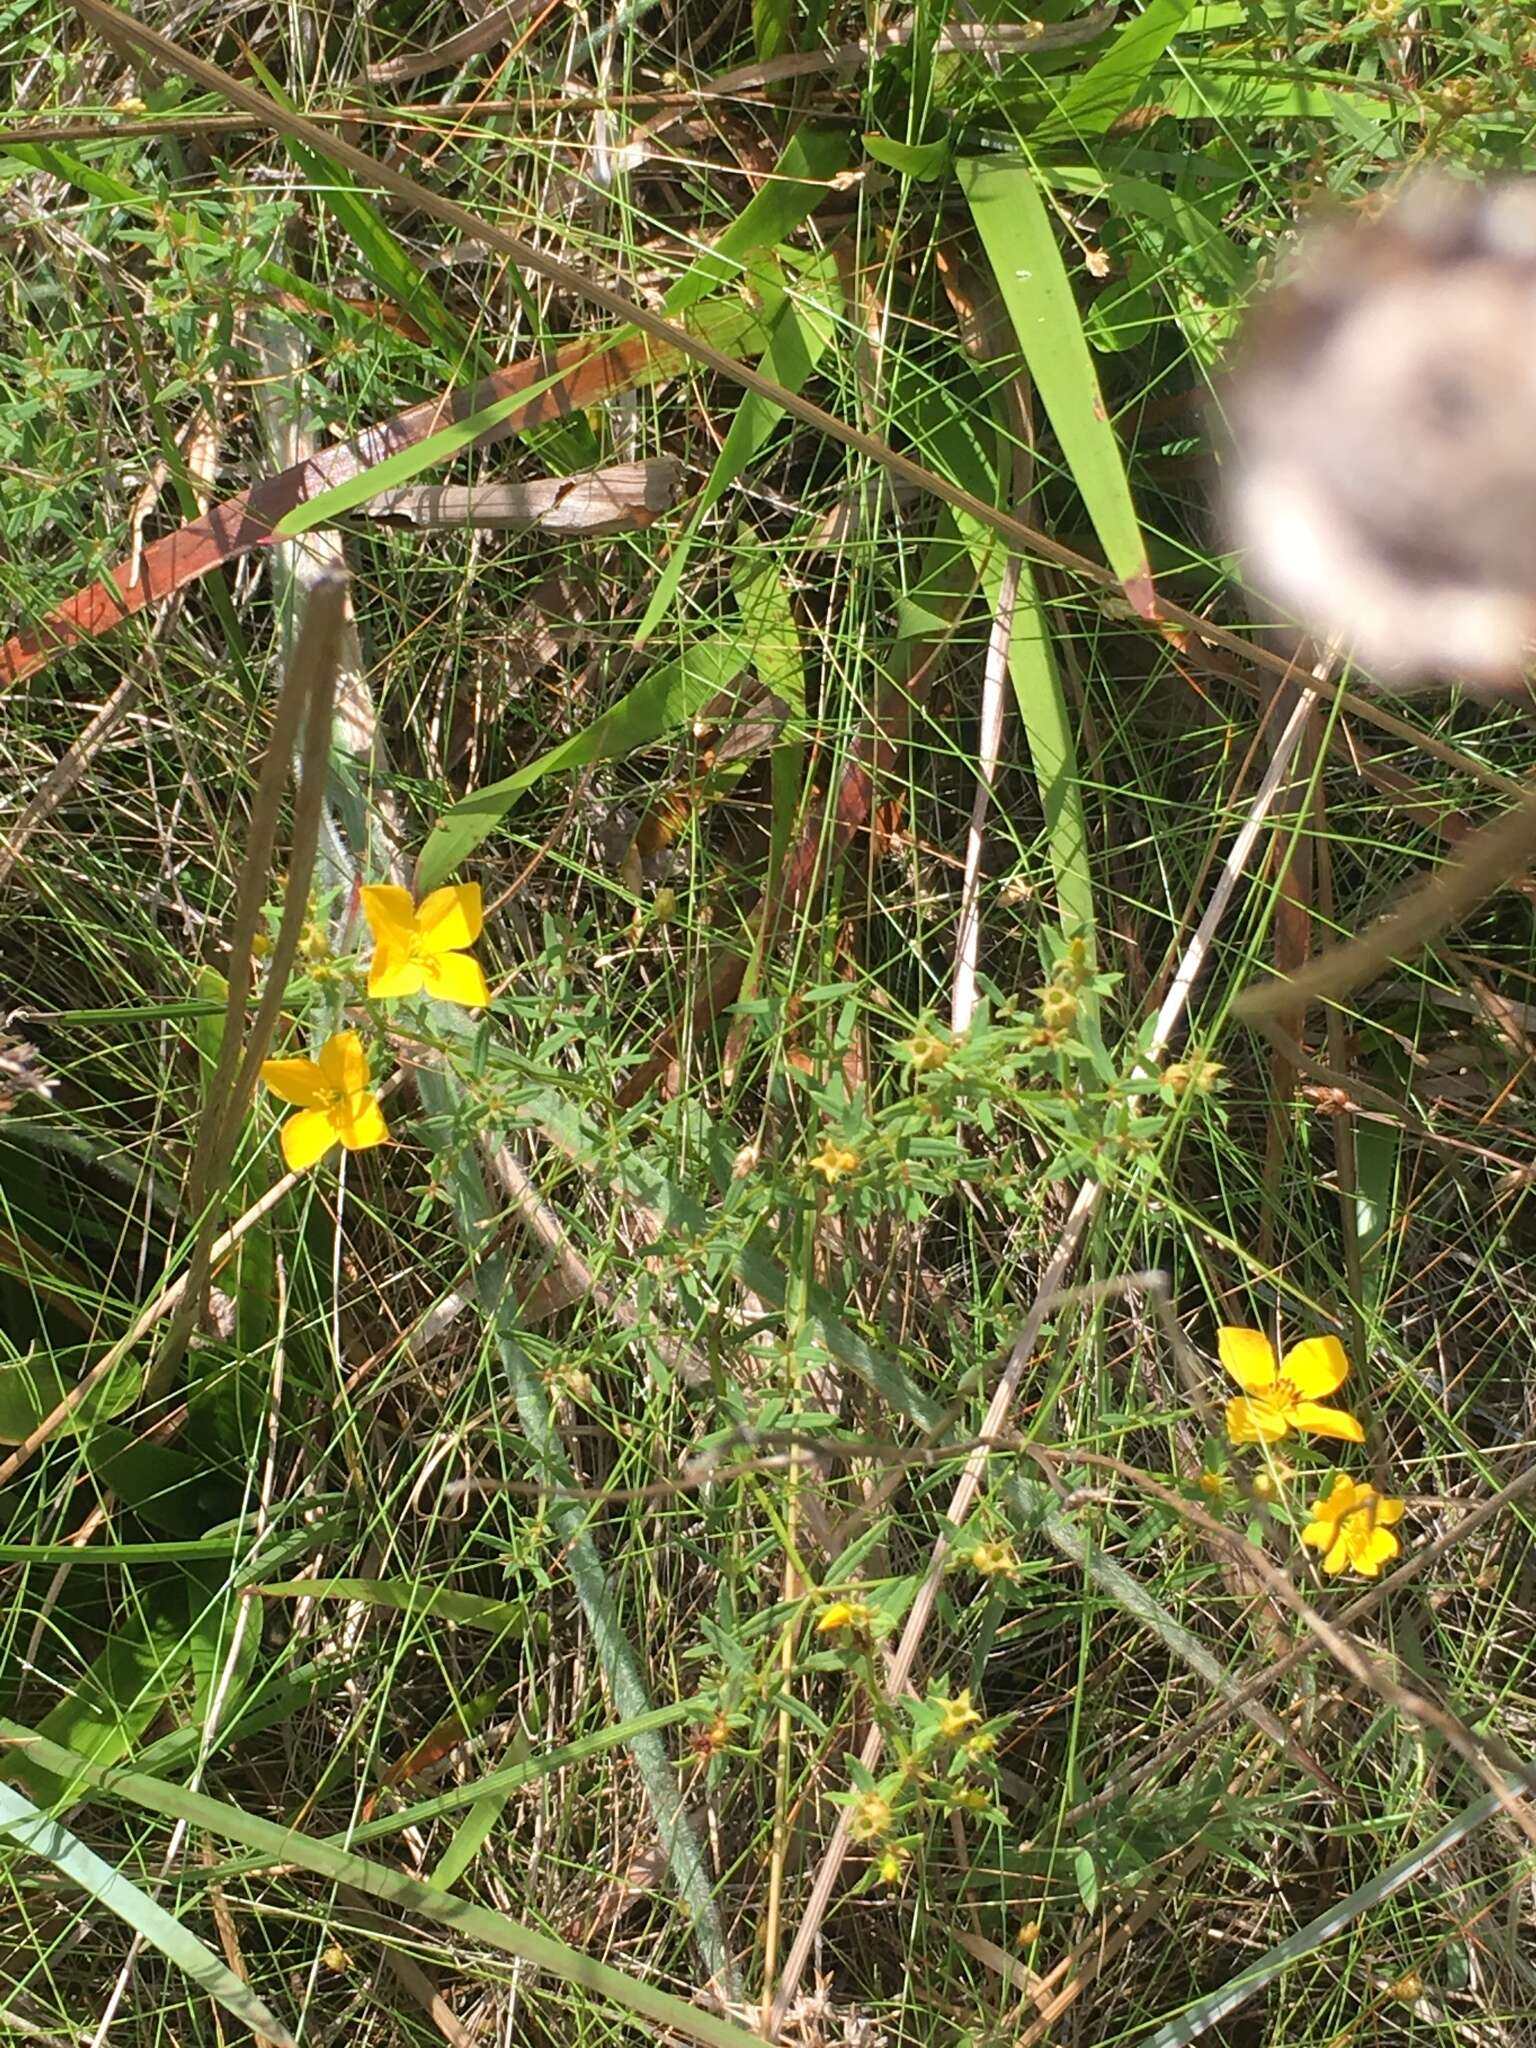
(1351, 1525)
(416, 947)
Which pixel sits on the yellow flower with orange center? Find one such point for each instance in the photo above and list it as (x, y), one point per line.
(1350, 1526)
(422, 945)
(335, 1102)
(1278, 1398)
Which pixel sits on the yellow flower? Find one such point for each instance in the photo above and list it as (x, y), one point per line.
(957, 1717)
(1279, 1398)
(1214, 1484)
(927, 1051)
(891, 1865)
(833, 1161)
(1350, 1527)
(871, 1817)
(994, 1560)
(335, 1104)
(850, 1614)
(418, 947)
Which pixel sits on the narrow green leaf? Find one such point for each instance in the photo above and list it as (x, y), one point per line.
(769, 635)
(1022, 248)
(925, 162)
(440, 1603)
(282, 1843)
(671, 693)
(794, 189)
(469, 1838)
(45, 1837)
(1099, 95)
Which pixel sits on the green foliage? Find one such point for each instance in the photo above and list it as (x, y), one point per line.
(542, 1496)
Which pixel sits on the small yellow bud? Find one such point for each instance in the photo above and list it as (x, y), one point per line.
(1194, 1076)
(891, 1864)
(315, 941)
(1214, 1484)
(1408, 1989)
(664, 907)
(1266, 1486)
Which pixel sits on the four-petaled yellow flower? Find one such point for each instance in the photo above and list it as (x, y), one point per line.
(1279, 1398)
(833, 1161)
(1350, 1527)
(421, 946)
(335, 1103)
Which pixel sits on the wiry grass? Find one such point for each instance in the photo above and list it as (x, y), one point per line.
(335, 1580)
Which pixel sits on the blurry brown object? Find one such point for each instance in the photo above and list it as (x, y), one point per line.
(1380, 472)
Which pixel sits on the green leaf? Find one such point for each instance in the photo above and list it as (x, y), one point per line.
(926, 162)
(440, 1603)
(769, 634)
(1021, 245)
(328, 506)
(1098, 96)
(795, 188)
(770, 27)
(671, 693)
(469, 1838)
(145, 1658)
(43, 1836)
(1085, 1871)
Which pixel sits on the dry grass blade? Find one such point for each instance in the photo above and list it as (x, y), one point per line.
(621, 499)
(1494, 856)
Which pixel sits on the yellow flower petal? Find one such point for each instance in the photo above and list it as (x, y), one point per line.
(1254, 1422)
(390, 913)
(1379, 1548)
(1249, 1357)
(343, 1064)
(1317, 1365)
(395, 971)
(295, 1081)
(360, 1123)
(308, 1137)
(1320, 1421)
(450, 919)
(1389, 1510)
(456, 978)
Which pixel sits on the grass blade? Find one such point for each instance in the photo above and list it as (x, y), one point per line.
(282, 1844)
(44, 1836)
(1020, 240)
(671, 693)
